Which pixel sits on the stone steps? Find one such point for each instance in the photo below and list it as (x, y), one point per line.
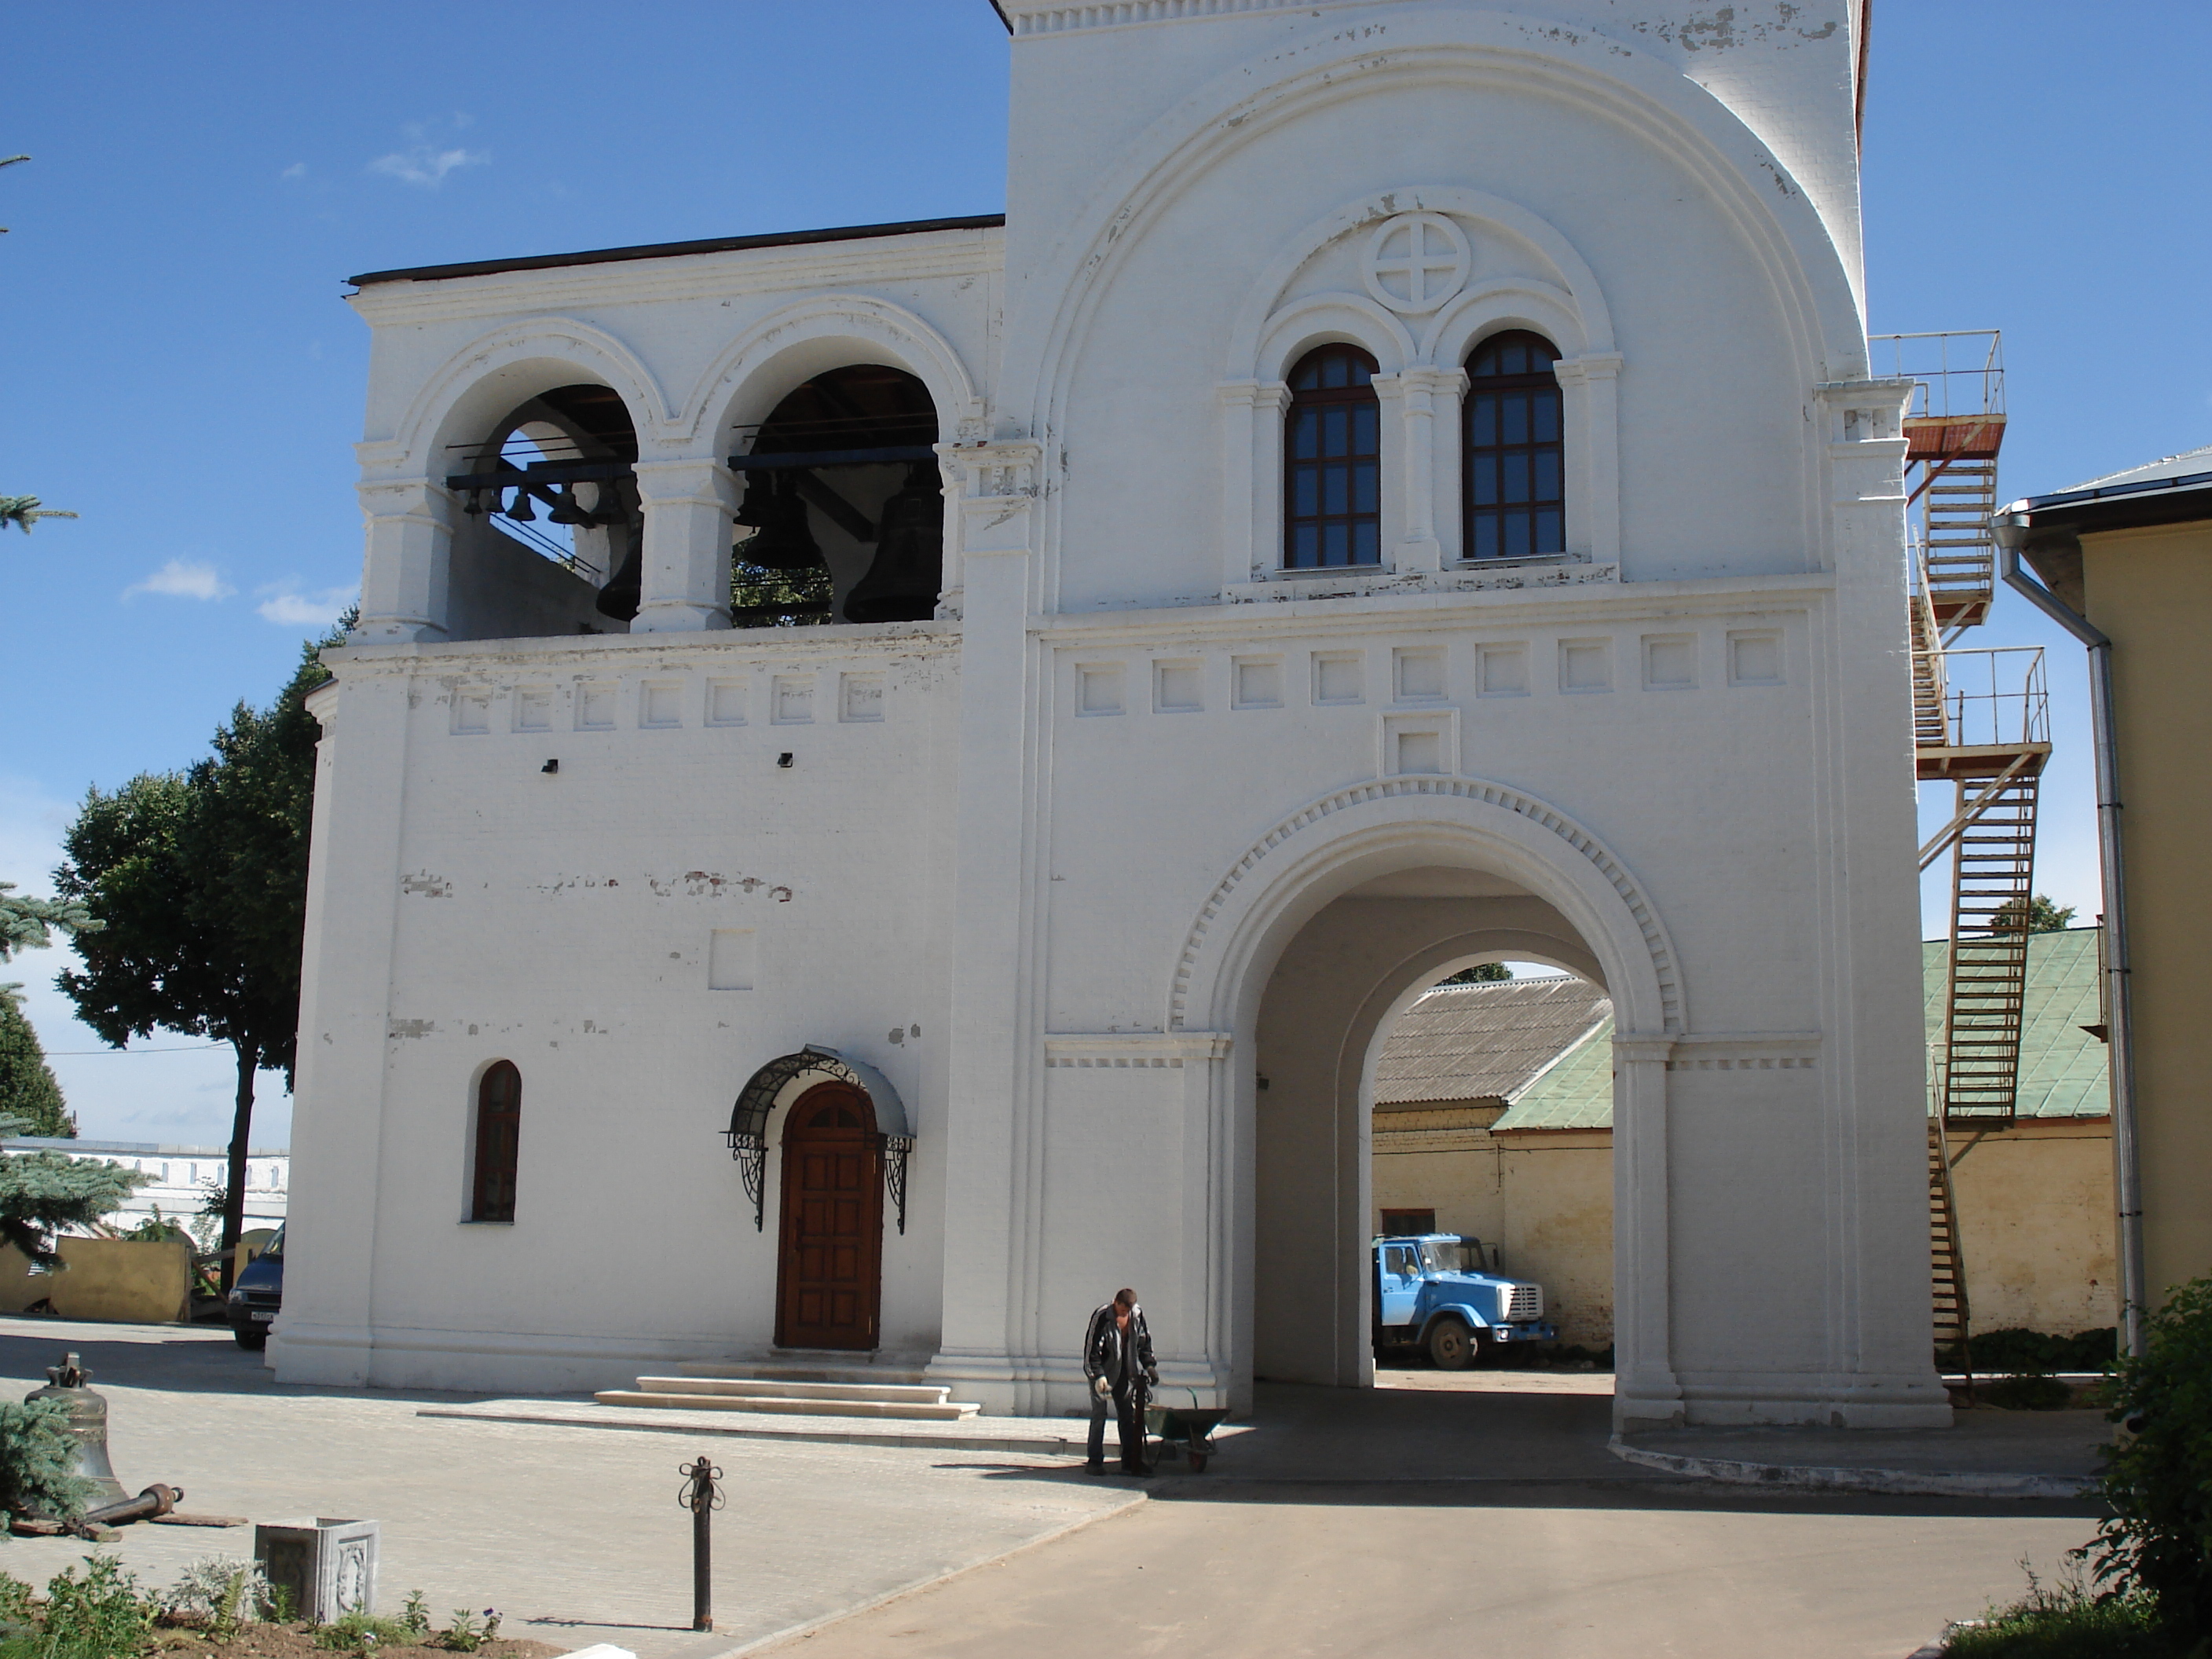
(805, 1396)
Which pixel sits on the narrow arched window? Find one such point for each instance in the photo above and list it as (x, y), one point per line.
(1331, 462)
(499, 1126)
(1513, 475)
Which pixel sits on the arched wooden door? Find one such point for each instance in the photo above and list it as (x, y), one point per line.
(830, 1260)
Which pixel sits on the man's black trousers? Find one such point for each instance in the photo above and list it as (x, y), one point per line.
(1125, 1417)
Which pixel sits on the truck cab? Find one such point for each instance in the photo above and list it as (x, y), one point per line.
(1436, 1290)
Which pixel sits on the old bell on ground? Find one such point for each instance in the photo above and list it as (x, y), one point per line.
(782, 540)
(88, 1424)
(902, 583)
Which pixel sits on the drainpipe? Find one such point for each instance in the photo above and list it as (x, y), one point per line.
(2011, 534)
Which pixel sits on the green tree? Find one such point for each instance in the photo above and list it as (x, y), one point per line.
(42, 1192)
(1481, 973)
(199, 880)
(27, 924)
(28, 1092)
(2044, 915)
(24, 511)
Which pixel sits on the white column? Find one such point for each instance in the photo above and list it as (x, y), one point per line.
(686, 575)
(409, 553)
(1645, 1391)
(1418, 390)
(993, 1153)
(1591, 422)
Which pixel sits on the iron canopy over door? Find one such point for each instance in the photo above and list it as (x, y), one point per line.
(828, 1258)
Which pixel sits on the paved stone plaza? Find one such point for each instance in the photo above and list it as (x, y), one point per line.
(1475, 1505)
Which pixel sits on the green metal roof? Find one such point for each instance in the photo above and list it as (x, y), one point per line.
(2062, 1066)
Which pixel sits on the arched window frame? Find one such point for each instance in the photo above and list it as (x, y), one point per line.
(1490, 433)
(1340, 487)
(495, 1145)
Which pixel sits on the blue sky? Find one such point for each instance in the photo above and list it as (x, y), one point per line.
(182, 371)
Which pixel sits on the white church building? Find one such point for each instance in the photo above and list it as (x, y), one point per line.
(1402, 487)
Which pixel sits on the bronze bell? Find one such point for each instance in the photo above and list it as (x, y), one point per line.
(566, 510)
(783, 539)
(620, 598)
(902, 584)
(88, 1422)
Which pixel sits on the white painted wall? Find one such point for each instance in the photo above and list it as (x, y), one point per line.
(1105, 844)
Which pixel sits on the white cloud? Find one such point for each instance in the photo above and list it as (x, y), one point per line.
(426, 165)
(297, 170)
(306, 610)
(180, 579)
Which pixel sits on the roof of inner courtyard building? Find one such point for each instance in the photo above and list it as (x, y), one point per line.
(2062, 1064)
(677, 250)
(1485, 1041)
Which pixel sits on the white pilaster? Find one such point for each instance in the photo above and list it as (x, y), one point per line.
(1420, 548)
(409, 558)
(1590, 419)
(686, 576)
(1646, 1390)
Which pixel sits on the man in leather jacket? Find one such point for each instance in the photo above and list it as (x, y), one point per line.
(1117, 1358)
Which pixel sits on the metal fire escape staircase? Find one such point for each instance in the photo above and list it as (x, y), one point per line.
(1981, 722)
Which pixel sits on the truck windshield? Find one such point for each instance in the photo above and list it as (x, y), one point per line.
(1451, 1256)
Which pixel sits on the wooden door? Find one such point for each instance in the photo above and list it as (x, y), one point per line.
(830, 1269)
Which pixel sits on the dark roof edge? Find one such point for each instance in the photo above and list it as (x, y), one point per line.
(2120, 507)
(677, 250)
(1003, 18)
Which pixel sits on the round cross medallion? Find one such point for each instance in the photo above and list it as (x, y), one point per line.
(1416, 262)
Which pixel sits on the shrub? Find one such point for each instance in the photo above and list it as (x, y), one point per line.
(219, 1595)
(38, 1461)
(102, 1615)
(363, 1634)
(2158, 1475)
(2064, 1622)
(466, 1636)
(2040, 1351)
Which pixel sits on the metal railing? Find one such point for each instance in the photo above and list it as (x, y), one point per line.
(1994, 697)
(1961, 371)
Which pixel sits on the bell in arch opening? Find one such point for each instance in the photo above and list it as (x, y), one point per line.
(851, 526)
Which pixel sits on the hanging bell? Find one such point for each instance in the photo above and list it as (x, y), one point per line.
(474, 505)
(566, 510)
(902, 584)
(520, 510)
(783, 540)
(88, 1426)
(625, 589)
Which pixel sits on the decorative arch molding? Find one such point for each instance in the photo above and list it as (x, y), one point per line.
(1629, 89)
(1579, 303)
(1592, 886)
(817, 333)
(471, 389)
(780, 1082)
(1316, 319)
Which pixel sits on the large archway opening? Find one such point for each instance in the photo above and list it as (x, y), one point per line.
(844, 514)
(1345, 1127)
(548, 540)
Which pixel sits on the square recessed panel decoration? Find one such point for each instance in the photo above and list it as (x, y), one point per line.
(726, 701)
(533, 708)
(1755, 657)
(1502, 671)
(861, 698)
(1339, 677)
(1256, 682)
(792, 699)
(595, 708)
(661, 703)
(1420, 751)
(1178, 686)
(1425, 744)
(1670, 662)
(1585, 664)
(1419, 674)
(732, 959)
(1098, 687)
(471, 710)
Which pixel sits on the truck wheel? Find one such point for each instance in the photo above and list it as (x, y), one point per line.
(1451, 1345)
(251, 1338)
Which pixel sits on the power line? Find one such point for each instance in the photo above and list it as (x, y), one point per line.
(82, 1053)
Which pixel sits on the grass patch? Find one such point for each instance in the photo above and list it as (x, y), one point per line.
(2066, 1622)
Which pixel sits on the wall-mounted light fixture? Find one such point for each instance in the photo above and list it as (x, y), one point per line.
(784, 760)
(550, 766)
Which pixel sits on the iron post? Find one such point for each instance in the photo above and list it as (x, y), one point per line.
(702, 1497)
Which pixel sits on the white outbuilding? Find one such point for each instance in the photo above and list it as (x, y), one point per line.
(1402, 487)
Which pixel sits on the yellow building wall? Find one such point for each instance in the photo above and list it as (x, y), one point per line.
(1545, 1200)
(2036, 1229)
(2035, 1215)
(2151, 591)
(136, 1281)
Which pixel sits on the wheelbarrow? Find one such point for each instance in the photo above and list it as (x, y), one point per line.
(1187, 1430)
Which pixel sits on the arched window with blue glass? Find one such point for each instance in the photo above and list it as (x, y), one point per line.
(1513, 470)
(1332, 463)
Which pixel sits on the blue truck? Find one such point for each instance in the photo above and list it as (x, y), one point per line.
(1437, 1291)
